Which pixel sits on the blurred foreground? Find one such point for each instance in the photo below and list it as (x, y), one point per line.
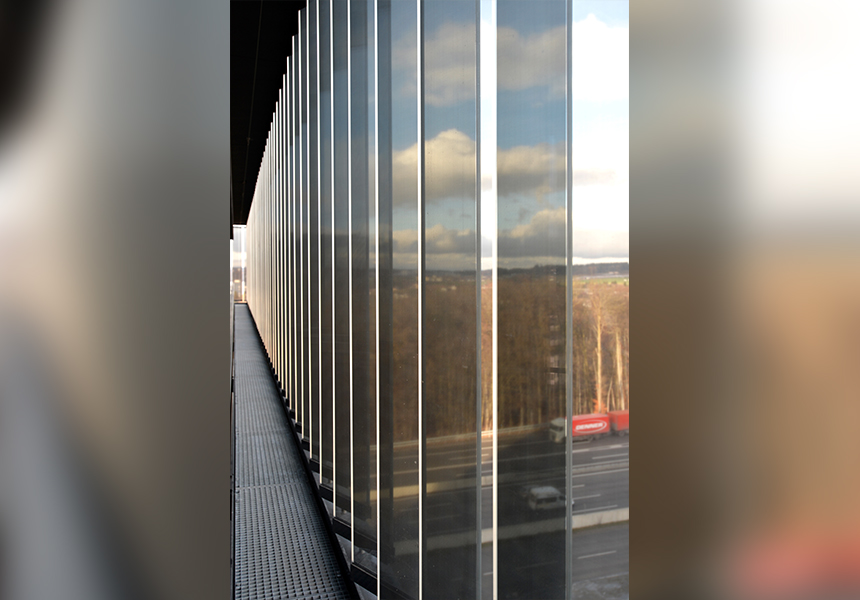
(746, 218)
(114, 305)
(114, 380)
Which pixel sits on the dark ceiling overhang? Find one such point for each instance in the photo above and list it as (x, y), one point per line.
(260, 41)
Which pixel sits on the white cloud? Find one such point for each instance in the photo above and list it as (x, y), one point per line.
(441, 240)
(539, 241)
(450, 67)
(449, 167)
(532, 60)
(537, 169)
(450, 64)
(405, 241)
(600, 61)
(437, 240)
(544, 235)
(601, 158)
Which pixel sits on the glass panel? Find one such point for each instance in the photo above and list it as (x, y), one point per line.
(450, 300)
(301, 246)
(342, 292)
(398, 404)
(369, 514)
(398, 416)
(278, 212)
(240, 254)
(326, 248)
(267, 202)
(291, 193)
(531, 42)
(284, 252)
(600, 335)
(314, 200)
(302, 93)
(272, 184)
(363, 328)
(384, 298)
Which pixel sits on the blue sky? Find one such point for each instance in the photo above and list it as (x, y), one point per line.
(531, 120)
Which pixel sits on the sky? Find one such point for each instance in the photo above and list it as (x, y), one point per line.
(531, 45)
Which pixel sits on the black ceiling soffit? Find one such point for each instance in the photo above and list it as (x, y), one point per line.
(260, 40)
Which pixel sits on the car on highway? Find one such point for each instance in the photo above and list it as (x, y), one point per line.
(557, 429)
(545, 497)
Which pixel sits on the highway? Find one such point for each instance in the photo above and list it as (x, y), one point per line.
(600, 479)
(531, 542)
(599, 565)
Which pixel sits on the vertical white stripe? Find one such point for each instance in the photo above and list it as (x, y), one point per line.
(307, 426)
(568, 359)
(291, 149)
(489, 229)
(285, 235)
(349, 278)
(317, 430)
(300, 285)
(273, 184)
(319, 251)
(293, 238)
(331, 149)
(285, 249)
(479, 393)
(421, 433)
(376, 283)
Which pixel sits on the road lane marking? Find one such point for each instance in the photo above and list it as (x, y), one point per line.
(591, 510)
(584, 497)
(535, 565)
(488, 485)
(599, 473)
(596, 555)
(608, 456)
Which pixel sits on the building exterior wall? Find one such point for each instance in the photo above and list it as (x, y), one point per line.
(438, 266)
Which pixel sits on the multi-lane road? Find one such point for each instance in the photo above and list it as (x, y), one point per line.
(600, 478)
(531, 543)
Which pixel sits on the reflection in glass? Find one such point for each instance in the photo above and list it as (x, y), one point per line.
(436, 339)
(289, 130)
(398, 413)
(304, 197)
(326, 248)
(450, 300)
(314, 236)
(362, 326)
(342, 274)
(599, 277)
(531, 296)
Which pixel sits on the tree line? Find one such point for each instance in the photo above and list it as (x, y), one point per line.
(531, 350)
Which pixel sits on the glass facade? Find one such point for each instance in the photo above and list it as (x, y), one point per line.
(437, 263)
(237, 263)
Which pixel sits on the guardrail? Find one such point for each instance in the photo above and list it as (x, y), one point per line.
(456, 540)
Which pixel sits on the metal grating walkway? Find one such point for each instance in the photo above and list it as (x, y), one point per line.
(281, 547)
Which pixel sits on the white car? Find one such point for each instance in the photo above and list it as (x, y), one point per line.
(557, 429)
(545, 497)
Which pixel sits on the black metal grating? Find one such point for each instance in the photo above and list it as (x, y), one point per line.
(281, 546)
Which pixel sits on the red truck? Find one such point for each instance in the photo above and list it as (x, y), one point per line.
(586, 427)
(619, 422)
